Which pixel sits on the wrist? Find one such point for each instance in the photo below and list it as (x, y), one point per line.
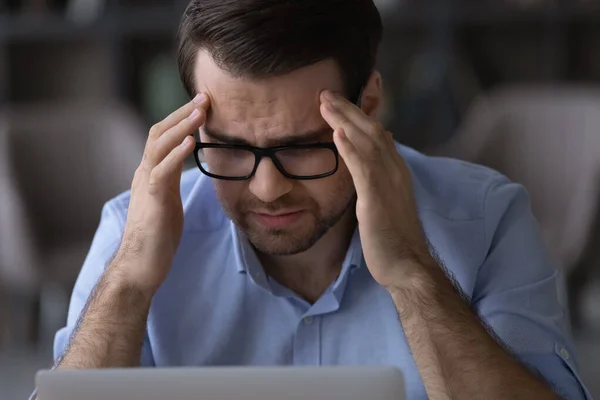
(414, 284)
(129, 299)
(417, 273)
(424, 287)
(126, 273)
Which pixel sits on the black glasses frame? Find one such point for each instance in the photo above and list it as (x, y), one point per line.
(260, 152)
(270, 152)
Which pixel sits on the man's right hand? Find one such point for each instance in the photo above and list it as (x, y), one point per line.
(155, 217)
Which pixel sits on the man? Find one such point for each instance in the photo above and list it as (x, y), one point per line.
(307, 236)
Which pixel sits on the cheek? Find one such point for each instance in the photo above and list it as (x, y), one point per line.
(331, 192)
(343, 183)
(343, 174)
(229, 192)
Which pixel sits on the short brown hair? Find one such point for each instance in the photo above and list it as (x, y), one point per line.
(263, 38)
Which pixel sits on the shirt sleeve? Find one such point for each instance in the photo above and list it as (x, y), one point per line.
(516, 291)
(104, 245)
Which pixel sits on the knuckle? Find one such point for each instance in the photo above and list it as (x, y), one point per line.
(181, 127)
(151, 148)
(151, 152)
(342, 119)
(138, 173)
(375, 128)
(138, 178)
(155, 131)
(372, 150)
(154, 180)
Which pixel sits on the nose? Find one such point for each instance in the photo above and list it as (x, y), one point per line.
(268, 184)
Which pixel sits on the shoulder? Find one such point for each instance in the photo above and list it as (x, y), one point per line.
(455, 189)
(469, 212)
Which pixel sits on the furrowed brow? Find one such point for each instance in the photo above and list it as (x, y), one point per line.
(287, 140)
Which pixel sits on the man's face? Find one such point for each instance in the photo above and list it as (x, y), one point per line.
(280, 216)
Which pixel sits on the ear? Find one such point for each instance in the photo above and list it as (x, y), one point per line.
(372, 95)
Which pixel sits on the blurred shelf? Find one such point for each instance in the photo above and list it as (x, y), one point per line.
(156, 20)
(487, 14)
(164, 19)
(47, 28)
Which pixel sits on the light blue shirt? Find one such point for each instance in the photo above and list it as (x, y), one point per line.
(218, 307)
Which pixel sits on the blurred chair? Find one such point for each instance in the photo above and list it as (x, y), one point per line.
(62, 162)
(16, 274)
(548, 139)
(15, 239)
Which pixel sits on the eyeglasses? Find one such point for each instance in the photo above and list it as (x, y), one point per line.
(238, 163)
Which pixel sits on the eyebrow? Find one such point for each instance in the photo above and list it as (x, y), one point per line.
(300, 138)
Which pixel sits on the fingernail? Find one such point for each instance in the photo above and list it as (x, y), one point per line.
(199, 98)
(185, 141)
(194, 114)
(328, 94)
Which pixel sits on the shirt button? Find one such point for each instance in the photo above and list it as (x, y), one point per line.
(308, 320)
(565, 353)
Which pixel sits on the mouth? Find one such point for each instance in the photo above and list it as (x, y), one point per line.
(279, 220)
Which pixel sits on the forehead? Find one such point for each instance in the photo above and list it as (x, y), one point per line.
(267, 110)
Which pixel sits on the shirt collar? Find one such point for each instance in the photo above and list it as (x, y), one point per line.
(354, 260)
(248, 262)
(243, 251)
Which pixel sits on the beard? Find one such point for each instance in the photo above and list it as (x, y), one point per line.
(302, 234)
(287, 242)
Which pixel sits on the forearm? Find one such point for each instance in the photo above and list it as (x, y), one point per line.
(110, 331)
(456, 357)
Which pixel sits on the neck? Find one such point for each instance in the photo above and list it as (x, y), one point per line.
(310, 273)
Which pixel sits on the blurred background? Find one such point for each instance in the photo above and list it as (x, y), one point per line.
(512, 84)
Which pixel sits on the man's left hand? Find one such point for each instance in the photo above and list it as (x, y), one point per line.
(390, 230)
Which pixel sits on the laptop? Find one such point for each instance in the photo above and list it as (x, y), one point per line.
(223, 383)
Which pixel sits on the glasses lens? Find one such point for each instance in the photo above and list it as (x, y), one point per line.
(229, 163)
(307, 162)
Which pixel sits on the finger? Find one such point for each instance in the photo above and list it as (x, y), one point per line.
(357, 116)
(347, 150)
(171, 166)
(352, 158)
(337, 120)
(381, 146)
(201, 101)
(174, 136)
